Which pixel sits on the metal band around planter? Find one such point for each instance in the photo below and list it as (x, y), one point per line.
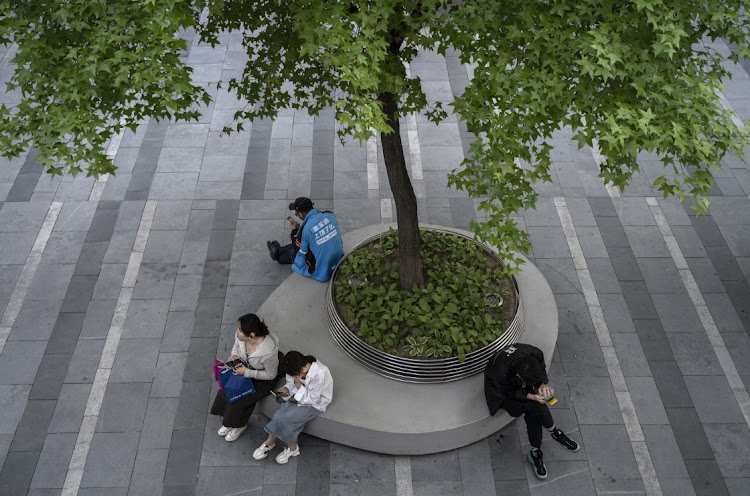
(411, 369)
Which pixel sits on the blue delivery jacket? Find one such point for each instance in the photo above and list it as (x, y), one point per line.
(320, 246)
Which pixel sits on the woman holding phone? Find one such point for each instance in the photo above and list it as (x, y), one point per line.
(307, 393)
(255, 355)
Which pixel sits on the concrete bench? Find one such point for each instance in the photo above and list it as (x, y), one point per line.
(374, 413)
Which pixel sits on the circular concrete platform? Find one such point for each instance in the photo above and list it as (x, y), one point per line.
(374, 413)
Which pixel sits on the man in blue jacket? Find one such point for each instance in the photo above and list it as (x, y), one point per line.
(316, 245)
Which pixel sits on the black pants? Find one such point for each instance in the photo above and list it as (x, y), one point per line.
(237, 414)
(535, 414)
(285, 254)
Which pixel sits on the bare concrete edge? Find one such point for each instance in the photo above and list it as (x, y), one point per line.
(374, 413)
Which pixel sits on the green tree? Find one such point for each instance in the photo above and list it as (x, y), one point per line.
(629, 75)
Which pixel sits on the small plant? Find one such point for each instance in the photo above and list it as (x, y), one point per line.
(449, 316)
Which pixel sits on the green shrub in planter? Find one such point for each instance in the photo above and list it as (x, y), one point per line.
(455, 313)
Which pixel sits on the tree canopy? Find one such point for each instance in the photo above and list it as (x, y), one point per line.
(630, 75)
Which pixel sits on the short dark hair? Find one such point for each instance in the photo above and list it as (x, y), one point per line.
(293, 362)
(251, 324)
(530, 370)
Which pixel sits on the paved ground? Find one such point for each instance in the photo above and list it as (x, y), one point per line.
(117, 295)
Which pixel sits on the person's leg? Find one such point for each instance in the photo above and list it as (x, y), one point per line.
(284, 254)
(544, 418)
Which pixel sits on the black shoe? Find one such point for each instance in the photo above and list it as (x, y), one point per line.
(272, 245)
(540, 469)
(567, 443)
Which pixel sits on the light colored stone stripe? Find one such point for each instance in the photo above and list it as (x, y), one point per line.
(386, 210)
(622, 393)
(8, 57)
(27, 273)
(403, 476)
(707, 320)
(101, 379)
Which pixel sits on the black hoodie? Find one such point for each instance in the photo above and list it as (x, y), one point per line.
(500, 379)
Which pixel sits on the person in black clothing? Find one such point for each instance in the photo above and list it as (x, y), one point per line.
(515, 379)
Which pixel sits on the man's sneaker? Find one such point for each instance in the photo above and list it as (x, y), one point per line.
(224, 431)
(272, 245)
(235, 433)
(262, 451)
(567, 443)
(540, 469)
(285, 455)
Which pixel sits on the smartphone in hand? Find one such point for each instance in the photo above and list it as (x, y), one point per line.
(291, 220)
(233, 363)
(551, 400)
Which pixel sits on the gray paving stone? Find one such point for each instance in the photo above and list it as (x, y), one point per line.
(184, 459)
(35, 321)
(660, 275)
(51, 282)
(633, 211)
(725, 263)
(630, 353)
(548, 242)
(713, 399)
(193, 406)
(135, 361)
(146, 319)
(694, 354)
(575, 479)
(603, 276)
(69, 409)
(124, 407)
(677, 313)
(85, 360)
(244, 269)
(64, 247)
(111, 459)
(102, 225)
(49, 379)
(731, 445)
(616, 313)
(690, 243)
(648, 405)
(20, 361)
(75, 216)
(736, 486)
(705, 275)
(164, 247)
(573, 314)
(672, 389)
(591, 241)
(638, 300)
(646, 241)
(217, 452)
(129, 216)
(109, 282)
(507, 488)
(158, 423)
(168, 376)
(545, 214)
(730, 211)
(674, 212)
(705, 477)
(620, 486)
(349, 464)
(612, 231)
(241, 300)
(177, 332)
(91, 258)
(17, 472)
(120, 247)
(624, 263)
(54, 459)
(98, 319)
(689, 434)
(15, 247)
(33, 425)
(438, 488)
(594, 400)
(445, 466)
(79, 293)
(581, 355)
(263, 209)
(560, 274)
(23, 216)
(208, 317)
(174, 186)
(148, 472)
(609, 451)
(65, 333)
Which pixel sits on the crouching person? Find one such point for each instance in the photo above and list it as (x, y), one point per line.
(515, 379)
(307, 393)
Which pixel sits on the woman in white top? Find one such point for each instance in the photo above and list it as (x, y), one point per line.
(307, 393)
(258, 350)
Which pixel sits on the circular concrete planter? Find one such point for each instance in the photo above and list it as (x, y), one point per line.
(419, 370)
(375, 413)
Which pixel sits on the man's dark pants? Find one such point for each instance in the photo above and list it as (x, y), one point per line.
(285, 254)
(535, 414)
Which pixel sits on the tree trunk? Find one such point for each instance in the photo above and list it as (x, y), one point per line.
(409, 261)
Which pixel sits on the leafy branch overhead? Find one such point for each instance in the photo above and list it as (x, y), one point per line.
(626, 76)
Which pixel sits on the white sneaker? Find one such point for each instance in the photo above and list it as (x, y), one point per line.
(262, 451)
(224, 431)
(285, 455)
(235, 433)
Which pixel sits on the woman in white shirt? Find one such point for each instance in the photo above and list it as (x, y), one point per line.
(258, 351)
(307, 393)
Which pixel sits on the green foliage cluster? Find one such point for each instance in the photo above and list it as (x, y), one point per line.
(449, 316)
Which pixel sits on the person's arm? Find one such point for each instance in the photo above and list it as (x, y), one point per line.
(290, 384)
(236, 348)
(269, 370)
(310, 394)
(299, 259)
